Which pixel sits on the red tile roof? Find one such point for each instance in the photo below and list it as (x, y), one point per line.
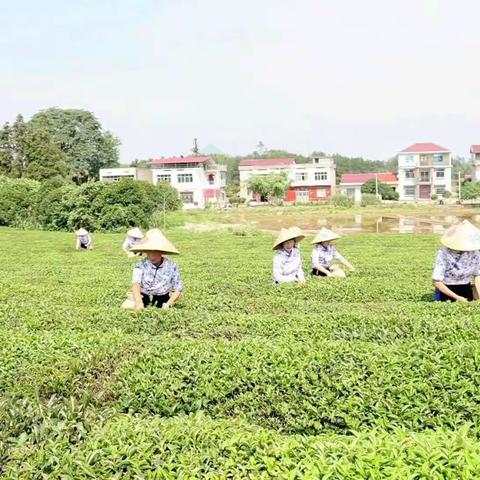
(365, 177)
(475, 149)
(424, 148)
(157, 161)
(267, 162)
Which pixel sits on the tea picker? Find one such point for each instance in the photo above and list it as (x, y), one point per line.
(287, 262)
(84, 239)
(134, 237)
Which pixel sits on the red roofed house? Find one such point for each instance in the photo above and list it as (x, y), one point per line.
(424, 169)
(475, 155)
(351, 183)
(309, 182)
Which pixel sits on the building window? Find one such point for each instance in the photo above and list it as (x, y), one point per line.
(321, 192)
(351, 192)
(164, 178)
(425, 176)
(321, 176)
(440, 189)
(409, 191)
(438, 158)
(409, 174)
(440, 173)
(187, 197)
(301, 177)
(185, 178)
(211, 178)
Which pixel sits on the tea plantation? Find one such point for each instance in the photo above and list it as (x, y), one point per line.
(363, 377)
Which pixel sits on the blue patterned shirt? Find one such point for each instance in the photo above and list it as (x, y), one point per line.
(456, 268)
(159, 280)
(324, 255)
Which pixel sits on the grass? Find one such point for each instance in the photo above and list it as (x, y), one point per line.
(362, 377)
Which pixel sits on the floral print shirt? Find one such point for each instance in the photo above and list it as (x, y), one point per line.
(456, 268)
(157, 280)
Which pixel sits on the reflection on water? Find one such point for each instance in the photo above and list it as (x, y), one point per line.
(356, 224)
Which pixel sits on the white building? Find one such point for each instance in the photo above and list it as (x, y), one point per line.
(198, 180)
(135, 173)
(351, 183)
(475, 156)
(424, 169)
(309, 182)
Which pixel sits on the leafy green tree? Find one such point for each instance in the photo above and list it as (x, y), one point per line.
(384, 190)
(44, 159)
(6, 155)
(470, 190)
(273, 187)
(79, 135)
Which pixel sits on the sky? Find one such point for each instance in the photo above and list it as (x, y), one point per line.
(357, 77)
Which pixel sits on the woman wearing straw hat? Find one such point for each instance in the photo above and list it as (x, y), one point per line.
(456, 263)
(84, 239)
(287, 262)
(134, 236)
(324, 253)
(156, 280)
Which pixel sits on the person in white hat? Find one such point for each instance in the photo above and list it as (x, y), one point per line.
(287, 262)
(156, 280)
(84, 239)
(457, 262)
(134, 237)
(324, 253)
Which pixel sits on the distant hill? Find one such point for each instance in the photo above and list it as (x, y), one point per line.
(210, 150)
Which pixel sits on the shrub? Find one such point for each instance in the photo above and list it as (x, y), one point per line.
(446, 194)
(343, 201)
(369, 199)
(17, 201)
(434, 196)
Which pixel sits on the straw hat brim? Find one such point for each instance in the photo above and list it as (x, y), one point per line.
(325, 235)
(293, 233)
(155, 241)
(135, 233)
(81, 231)
(463, 237)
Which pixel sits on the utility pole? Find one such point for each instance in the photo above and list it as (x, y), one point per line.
(459, 187)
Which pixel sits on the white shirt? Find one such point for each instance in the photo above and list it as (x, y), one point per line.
(324, 255)
(456, 268)
(130, 242)
(287, 266)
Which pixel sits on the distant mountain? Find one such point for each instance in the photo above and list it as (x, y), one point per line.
(210, 150)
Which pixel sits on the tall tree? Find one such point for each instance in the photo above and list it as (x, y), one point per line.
(80, 137)
(43, 157)
(6, 155)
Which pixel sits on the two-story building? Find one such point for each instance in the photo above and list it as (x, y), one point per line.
(198, 179)
(309, 182)
(424, 169)
(351, 183)
(475, 156)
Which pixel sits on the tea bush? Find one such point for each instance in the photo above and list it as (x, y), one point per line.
(363, 377)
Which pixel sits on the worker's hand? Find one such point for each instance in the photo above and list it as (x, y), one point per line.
(462, 299)
(165, 306)
(139, 306)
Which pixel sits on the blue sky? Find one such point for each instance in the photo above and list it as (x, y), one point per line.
(356, 77)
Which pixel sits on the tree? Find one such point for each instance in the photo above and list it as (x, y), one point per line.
(195, 149)
(273, 187)
(470, 190)
(6, 155)
(79, 136)
(43, 158)
(384, 190)
(233, 193)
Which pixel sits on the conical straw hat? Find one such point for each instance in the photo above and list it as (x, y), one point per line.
(155, 240)
(324, 235)
(81, 231)
(463, 236)
(292, 233)
(135, 233)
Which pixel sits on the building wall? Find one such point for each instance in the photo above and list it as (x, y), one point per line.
(476, 167)
(302, 177)
(421, 186)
